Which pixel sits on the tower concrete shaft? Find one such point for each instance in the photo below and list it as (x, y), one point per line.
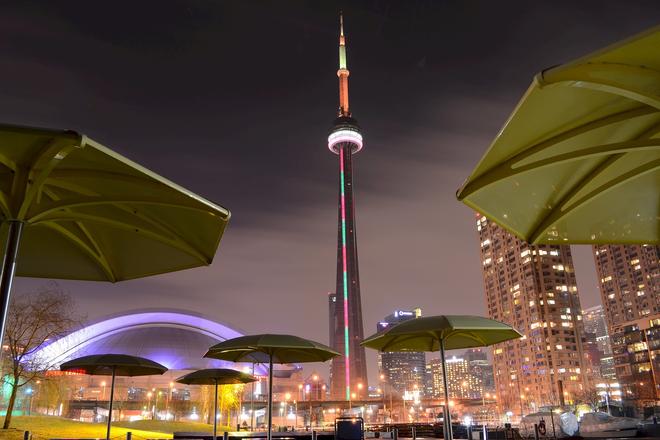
(348, 375)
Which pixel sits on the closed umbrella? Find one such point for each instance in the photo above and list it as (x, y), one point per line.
(216, 376)
(113, 365)
(578, 161)
(440, 333)
(271, 348)
(71, 208)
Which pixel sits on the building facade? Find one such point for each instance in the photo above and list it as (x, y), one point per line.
(402, 371)
(533, 289)
(348, 372)
(630, 290)
(595, 323)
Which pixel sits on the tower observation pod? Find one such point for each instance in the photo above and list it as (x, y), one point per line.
(348, 374)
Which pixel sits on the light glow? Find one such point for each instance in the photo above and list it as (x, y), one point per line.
(345, 274)
(339, 136)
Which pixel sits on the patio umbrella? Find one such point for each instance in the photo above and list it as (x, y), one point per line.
(271, 348)
(113, 365)
(216, 376)
(440, 333)
(78, 210)
(578, 161)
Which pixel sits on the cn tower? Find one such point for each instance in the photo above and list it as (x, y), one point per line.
(348, 374)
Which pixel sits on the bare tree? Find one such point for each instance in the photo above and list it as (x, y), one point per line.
(33, 320)
(589, 396)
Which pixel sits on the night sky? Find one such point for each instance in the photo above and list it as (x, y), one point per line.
(234, 100)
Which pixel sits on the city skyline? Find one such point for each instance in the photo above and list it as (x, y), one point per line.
(205, 95)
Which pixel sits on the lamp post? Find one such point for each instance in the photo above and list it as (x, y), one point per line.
(360, 386)
(29, 392)
(309, 398)
(160, 393)
(315, 378)
(169, 397)
(149, 394)
(287, 396)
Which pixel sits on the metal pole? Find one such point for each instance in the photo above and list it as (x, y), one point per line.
(270, 397)
(8, 269)
(252, 402)
(607, 400)
(215, 410)
(112, 396)
(447, 416)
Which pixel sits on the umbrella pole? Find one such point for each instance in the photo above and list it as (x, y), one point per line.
(270, 397)
(215, 411)
(447, 416)
(112, 396)
(8, 269)
(252, 402)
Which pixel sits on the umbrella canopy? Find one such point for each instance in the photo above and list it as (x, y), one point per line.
(456, 331)
(216, 376)
(75, 209)
(578, 161)
(212, 376)
(280, 349)
(121, 364)
(440, 333)
(114, 365)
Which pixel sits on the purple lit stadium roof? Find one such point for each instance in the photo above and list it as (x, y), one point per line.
(176, 339)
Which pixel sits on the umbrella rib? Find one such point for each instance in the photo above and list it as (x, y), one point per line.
(160, 226)
(503, 169)
(102, 258)
(88, 201)
(556, 211)
(172, 241)
(630, 175)
(99, 259)
(51, 156)
(590, 76)
(5, 205)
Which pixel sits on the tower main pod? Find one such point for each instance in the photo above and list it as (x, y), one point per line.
(348, 374)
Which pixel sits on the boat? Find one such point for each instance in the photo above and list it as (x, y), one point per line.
(603, 425)
(550, 424)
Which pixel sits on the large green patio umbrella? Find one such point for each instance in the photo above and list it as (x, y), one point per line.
(113, 365)
(216, 376)
(71, 208)
(440, 333)
(578, 161)
(271, 348)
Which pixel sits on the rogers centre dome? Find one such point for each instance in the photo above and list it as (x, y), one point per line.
(175, 339)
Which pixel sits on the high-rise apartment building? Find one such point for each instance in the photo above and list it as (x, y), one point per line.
(596, 324)
(630, 289)
(533, 289)
(402, 371)
(461, 378)
(597, 347)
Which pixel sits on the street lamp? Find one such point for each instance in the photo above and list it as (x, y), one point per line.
(315, 378)
(359, 390)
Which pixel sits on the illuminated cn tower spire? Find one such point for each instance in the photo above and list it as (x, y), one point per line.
(348, 374)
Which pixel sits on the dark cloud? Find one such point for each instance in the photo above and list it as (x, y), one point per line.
(234, 100)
